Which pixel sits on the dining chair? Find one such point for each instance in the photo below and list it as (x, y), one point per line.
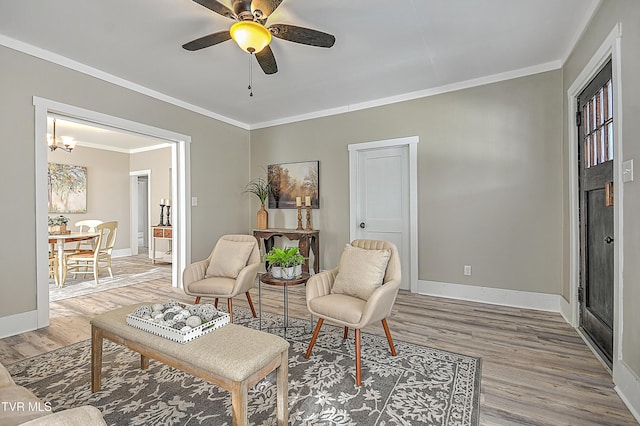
(230, 270)
(87, 225)
(359, 292)
(83, 261)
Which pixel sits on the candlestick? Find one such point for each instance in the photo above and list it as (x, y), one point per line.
(168, 215)
(299, 228)
(308, 227)
(298, 201)
(161, 215)
(307, 201)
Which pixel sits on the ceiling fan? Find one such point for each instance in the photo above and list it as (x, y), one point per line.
(251, 34)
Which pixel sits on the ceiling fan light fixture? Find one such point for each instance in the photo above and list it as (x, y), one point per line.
(251, 36)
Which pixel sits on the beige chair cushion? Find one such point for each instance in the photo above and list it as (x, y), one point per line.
(360, 271)
(213, 286)
(338, 306)
(228, 258)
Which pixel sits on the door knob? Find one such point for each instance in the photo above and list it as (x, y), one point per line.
(608, 240)
(362, 225)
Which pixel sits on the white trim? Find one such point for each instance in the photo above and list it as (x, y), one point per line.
(609, 49)
(38, 52)
(493, 296)
(122, 150)
(94, 72)
(628, 387)
(20, 323)
(180, 169)
(481, 81)
(412, 143)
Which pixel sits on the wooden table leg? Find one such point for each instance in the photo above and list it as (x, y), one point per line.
(282, 383)
(144, 362)
(96, 358)
(240, 412)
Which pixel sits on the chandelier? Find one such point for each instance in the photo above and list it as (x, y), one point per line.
(65, 143)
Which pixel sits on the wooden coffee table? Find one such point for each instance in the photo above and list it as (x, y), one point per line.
(233, 357)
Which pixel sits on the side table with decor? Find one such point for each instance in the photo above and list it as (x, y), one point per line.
(285, 284)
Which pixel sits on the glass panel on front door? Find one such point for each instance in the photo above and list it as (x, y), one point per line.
(597, 119)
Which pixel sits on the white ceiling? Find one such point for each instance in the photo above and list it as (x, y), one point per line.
(384, 51)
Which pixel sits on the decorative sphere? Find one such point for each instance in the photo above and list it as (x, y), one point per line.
(185, 328)
(207, 311)
(193, 309)
(169, 316)
(178, 325)
(185, 312)
(158, 315)
(171, 303)
(158, 307)
(141, 311)
(194, 321)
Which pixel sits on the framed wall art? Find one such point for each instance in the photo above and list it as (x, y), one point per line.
(67, 188)
(291, 180)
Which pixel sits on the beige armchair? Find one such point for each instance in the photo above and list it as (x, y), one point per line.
(359, 292)
(230, 270)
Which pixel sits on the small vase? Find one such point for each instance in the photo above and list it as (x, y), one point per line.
(297, 271)
(288, 273)
(276, 272)
(262, 221)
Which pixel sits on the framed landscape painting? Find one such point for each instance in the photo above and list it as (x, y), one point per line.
(291, 180)
(67, 188)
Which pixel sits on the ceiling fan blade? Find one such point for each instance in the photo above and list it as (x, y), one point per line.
(261, 9)
(302, 35)
(217, 7)
(208, 40)
(267, 61)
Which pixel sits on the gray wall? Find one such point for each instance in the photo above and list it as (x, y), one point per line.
(489, 179)
(609, 14)
(107, 187)
(219, 162)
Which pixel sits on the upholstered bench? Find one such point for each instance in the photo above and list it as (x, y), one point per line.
(232, 357)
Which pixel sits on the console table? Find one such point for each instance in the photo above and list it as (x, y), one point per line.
(163, 233)
(307, 240)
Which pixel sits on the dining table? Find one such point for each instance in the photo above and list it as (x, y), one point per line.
(59, 240)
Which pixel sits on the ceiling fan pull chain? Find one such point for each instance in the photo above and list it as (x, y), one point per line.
(250, 74)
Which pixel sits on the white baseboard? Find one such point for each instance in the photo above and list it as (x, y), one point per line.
(122, 252)
(628, 387)
(18, 323)
(494, 296)
(566, 311)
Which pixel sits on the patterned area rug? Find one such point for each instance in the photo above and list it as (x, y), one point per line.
(419, 386)
(125, 273)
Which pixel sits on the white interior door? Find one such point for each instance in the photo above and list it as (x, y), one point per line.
(382, 200)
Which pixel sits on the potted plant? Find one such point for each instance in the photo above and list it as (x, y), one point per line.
(58, 225)
(260, 188)
(284, 263)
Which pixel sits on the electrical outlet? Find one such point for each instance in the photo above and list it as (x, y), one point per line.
(467, 270)
(194, 201)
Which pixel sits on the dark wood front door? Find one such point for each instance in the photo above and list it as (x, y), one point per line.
(595, 129)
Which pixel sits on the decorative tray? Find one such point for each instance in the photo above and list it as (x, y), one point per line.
(167, 330)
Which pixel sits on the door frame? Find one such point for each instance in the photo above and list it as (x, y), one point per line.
(180, 188)
(411, 143)
(133, 193)
(610, 49)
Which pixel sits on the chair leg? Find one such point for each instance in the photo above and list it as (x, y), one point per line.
(229, 306)
(253, 310)
(346, 333)
(388, 333)
(197, 300)
(215, 303)
(358, 370)
(314, 337)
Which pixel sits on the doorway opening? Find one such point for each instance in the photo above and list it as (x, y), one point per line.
(178, 183)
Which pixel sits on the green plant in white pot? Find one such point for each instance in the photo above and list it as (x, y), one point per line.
(284, 263)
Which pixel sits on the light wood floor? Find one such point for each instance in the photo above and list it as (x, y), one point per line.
(536, 370)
